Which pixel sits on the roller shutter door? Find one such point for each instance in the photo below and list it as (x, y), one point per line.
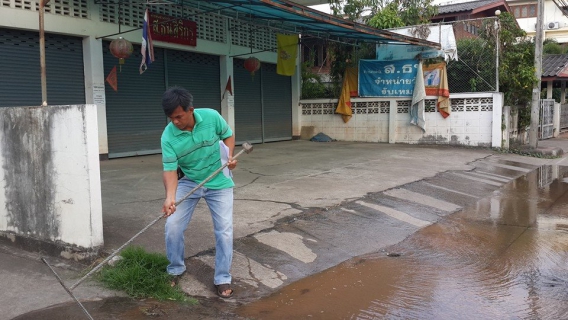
(135, 119)
(199, 74)
(263, 104)
(277, 104)
(248, 104)
(20, 77)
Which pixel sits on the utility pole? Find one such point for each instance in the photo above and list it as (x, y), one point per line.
(535, 107)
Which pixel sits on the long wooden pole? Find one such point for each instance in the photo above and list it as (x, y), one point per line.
(42, 4)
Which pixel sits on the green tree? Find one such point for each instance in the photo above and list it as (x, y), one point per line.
(516, 67)
(551, 46)
(400, 13)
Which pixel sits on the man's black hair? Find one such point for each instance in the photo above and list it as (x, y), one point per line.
(175, 97)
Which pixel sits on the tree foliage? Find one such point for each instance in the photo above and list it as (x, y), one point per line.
(516, 67)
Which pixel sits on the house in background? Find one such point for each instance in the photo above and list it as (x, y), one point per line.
(555, 20)
(450, 11)
(468, 11)
(555, 74)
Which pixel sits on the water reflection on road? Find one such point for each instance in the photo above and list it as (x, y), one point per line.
(505, 257)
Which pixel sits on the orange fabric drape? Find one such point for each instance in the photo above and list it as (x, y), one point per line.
(348, 90)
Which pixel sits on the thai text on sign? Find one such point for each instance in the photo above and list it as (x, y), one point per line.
(387, 78)
(174, 30)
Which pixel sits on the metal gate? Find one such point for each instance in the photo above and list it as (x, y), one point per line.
(546, 127)
(564, 116)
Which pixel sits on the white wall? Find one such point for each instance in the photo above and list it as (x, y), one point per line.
(551, 14)
(50, 188)
(475, 120)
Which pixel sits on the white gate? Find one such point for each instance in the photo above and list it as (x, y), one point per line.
(546, 118)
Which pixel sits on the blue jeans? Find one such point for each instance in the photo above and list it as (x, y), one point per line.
(220, 204)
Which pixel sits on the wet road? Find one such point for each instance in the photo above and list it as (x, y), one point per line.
(506, 257)
(502, 254)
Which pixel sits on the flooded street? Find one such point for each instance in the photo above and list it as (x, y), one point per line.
(501, 256)
(506, 257)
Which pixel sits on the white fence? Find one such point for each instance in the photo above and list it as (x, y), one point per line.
(475, 120)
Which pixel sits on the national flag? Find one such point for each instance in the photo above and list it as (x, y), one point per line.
(147, 48)
(112, 79)
(287, 53)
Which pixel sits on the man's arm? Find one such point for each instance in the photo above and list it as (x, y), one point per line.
(230, 142)
(170, 183)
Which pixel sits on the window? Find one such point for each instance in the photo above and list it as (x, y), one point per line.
(524, 11)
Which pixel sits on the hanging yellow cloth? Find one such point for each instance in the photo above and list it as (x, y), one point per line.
(287, 53)
(436, 84)
(349, 89)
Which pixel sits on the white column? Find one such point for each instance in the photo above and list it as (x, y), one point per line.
(556, 120)
(497, 118)
(227, 99)
(392, 121)
(549, 89)
(296, 93)
(95, 85)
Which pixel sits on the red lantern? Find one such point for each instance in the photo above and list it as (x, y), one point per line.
(252, 64)
(122, 49)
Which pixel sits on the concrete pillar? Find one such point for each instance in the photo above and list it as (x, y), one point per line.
(392, 120)
(95, 86)
(563, 92)
(556, 120)
(507, 127)
(497, 120)
(549, 89)
(296, 94)
(227, 99)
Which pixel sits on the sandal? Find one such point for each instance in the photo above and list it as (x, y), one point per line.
(221, 288)
(175, 280)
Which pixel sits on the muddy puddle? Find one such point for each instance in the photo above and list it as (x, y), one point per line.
(504, 258)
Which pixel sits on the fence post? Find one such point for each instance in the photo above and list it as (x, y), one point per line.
(507, 127)
(393, 110)
(556, 120)
(496, 133)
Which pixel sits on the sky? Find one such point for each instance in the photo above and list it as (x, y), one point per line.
(325, 7)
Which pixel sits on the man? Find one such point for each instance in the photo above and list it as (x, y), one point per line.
(192, 141)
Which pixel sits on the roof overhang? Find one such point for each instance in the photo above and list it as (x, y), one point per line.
(288, 16)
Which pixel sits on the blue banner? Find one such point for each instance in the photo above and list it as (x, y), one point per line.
(387, 78)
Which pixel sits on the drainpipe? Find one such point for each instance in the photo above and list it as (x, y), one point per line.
(42, 4)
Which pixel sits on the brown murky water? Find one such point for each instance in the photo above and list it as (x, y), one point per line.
(505, 258)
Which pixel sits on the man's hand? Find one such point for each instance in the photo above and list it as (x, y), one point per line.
(169, 207)
(170, 183)
(232, 163)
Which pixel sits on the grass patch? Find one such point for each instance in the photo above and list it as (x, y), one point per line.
(142, 275)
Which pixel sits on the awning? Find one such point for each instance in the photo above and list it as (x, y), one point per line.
(292, 17)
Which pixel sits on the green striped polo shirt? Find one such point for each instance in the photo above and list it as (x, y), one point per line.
(197, 152)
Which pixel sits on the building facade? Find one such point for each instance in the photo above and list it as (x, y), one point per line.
(130, 120)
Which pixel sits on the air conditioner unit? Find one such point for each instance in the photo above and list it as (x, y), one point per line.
(552, 25)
